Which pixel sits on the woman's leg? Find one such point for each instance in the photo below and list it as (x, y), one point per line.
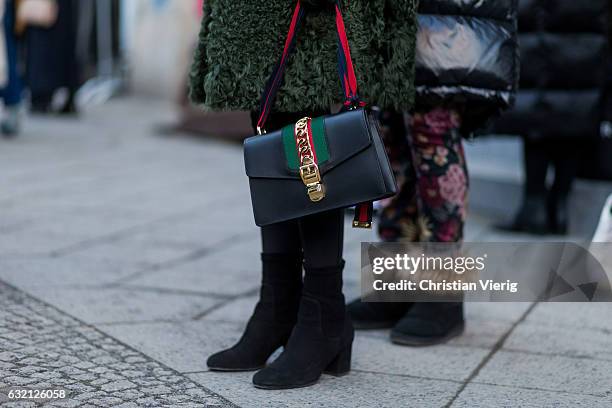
(323, 335)
(565, 160)
(398, 218)
(537, 160)
(532, 217)
(11, 94)
(442, 177)
(281, 285)
(323, 239)
(442, 191)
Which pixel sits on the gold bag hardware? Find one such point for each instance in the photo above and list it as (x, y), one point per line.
(309, 170)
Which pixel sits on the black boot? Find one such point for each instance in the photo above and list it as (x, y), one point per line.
(532, 218)
(273, 320)
(427, 324)
(321, 341)
(557, 213)
(376, 315)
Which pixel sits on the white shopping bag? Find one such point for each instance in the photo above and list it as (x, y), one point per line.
(604, 229)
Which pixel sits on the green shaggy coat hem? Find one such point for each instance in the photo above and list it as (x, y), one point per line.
(240, 42)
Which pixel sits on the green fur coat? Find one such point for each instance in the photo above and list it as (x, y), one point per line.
(241, 40)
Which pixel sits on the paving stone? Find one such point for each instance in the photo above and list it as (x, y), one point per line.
(573, 315)
(32, 243)
(203, 229)
(182, 346)
(128, 405)
(238, 310)
(66, 403)
(536, 338)
(486, 396)
(89, 225)
(478, 333)
(358, 389)
(95, 390)
(499, 312)
(233, 270)
(441, 362)
(134, 252)
(551, 373)
(104, 305)
(74, 270)
(117, 386)
(481, 333)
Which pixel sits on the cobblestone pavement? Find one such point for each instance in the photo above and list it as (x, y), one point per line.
(128, 257)
(44, 349)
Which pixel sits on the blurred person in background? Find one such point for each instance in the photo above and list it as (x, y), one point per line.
(240, 43)
(466, 73)
(560, 106)
(50, 41)
(12, 91)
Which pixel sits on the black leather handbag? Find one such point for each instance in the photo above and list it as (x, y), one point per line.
(319, 164)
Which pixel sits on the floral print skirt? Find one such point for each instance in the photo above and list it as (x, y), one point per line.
(426, 151)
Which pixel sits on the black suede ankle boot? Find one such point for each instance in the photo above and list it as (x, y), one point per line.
(273, 320)
(376, 315)
(427, 324)
(322, 339)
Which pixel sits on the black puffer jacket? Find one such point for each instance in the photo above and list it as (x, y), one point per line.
(564, 52)
(467, 55)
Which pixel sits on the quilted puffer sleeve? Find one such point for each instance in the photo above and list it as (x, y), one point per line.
(399, 54)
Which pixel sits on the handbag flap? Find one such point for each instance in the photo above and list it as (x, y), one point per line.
(346, 134)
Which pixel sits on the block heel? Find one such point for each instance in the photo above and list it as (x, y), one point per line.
(341, 365)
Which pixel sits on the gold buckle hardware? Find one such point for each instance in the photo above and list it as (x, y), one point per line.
(312, 179)
(316, 192)
(309, 170)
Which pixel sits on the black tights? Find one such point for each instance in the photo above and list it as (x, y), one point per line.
(319, 236)
(539, 155)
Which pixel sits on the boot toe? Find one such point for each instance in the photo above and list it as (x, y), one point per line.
(228, 360)
(272, 379)
(221, 360)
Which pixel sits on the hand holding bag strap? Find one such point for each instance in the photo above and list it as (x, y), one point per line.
(348, 79)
